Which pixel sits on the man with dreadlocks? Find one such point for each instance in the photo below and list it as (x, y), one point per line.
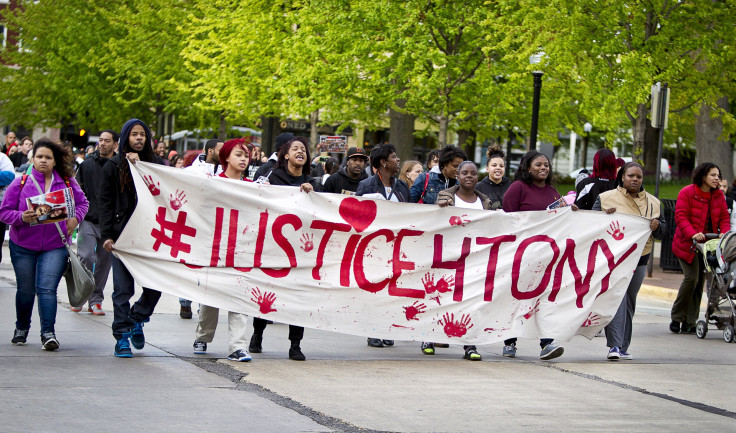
(117, 200)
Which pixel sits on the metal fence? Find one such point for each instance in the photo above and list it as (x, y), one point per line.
(667, 259)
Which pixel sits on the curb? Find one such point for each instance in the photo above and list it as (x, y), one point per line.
(662, 293)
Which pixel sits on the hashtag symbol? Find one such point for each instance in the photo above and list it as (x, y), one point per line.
(177, 229)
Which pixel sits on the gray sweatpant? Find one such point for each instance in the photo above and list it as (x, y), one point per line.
(94, 257)
(618, 332)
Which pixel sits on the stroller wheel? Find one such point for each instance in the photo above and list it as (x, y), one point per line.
(701, 329)
(728, 333)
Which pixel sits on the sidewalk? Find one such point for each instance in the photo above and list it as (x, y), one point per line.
(661, 285)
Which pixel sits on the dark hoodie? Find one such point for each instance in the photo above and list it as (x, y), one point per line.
(494, 191)
(88, 177)
(342, 183)
(280, 176)
(117, 196)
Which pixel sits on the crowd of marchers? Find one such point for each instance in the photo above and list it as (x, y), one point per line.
(105, 197)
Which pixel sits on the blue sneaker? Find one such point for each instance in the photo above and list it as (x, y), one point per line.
(122, 347)
(626, 355)
(614, 354)
(137, 339)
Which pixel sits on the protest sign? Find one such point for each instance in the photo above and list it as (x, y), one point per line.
(376, 268)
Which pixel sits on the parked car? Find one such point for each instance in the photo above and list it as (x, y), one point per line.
(574, 174)
(665, 170)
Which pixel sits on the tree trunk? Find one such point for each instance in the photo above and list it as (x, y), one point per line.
(442, 136)
(708, 142)
(651, 144)
(222, 129)
(401, 130)
(676, 163)
(466, 140)
(313, 133)
(639, 127)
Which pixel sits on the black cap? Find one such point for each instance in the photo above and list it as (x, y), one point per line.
(283, 138)
(357, 151)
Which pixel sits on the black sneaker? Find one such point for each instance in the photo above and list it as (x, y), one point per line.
(471, 354)
(48, 339)
(137, 339)
(375, 342)
(19, 337)
(185, 312)
(295, 353)
(255, 343)
(675, 327)
(687, 328)
(388, 342)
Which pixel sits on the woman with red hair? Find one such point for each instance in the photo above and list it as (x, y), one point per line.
(234, 158)
(602, 180)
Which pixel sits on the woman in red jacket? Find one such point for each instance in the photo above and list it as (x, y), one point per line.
(701, 208)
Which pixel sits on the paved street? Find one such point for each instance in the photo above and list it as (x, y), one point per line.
(675, 382)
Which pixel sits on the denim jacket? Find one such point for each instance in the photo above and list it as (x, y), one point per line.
(437, 183)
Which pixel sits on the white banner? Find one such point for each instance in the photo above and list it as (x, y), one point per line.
(376, 268)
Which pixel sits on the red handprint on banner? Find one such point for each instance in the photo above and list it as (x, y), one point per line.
(445, 285)
(412, 310)
(458, 220)
(264, 300)
(148, 180)
(533, 310)
(428, 281)
(307, 242)
(592, 320)
(455, 328)
(177, 200)
(616, 231)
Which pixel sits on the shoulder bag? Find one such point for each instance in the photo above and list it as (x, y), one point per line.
(80, 282)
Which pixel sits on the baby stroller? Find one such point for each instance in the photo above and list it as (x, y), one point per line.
(719, 256)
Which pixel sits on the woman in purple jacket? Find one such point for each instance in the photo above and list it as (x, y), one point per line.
(37, 251)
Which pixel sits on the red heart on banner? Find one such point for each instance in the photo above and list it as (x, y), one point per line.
(359, 214)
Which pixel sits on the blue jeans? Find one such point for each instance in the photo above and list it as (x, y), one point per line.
(124, 289)
(37, 273)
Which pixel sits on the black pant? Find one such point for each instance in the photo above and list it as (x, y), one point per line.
(542, 342)
(124, 289)
(296, 333)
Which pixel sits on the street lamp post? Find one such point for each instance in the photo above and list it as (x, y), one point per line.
(535, 109)
(535, 59)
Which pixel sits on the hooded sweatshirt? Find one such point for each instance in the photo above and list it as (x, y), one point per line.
(494, 191)
(200, 165)
(117, 202)
(88, 176)
(41, 237)
(342, 183)
(280, 176)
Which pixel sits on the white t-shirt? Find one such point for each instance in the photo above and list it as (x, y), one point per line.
(477, 204)
(388, 194)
